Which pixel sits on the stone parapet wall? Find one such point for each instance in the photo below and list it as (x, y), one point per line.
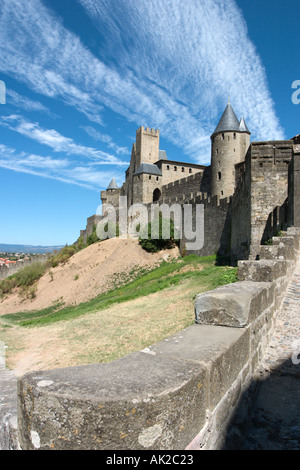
(181, 393)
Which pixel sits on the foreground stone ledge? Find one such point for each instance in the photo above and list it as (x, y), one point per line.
(154, 399)
(265, 270)
(233, 305)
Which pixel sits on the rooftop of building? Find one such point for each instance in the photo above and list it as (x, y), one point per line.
(230, 123)
(112, 185)
(186, 164)
(148, 168)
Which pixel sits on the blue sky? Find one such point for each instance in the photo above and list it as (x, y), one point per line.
(82, 75)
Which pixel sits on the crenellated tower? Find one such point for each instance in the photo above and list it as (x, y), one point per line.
(230, 143)
(147, 146)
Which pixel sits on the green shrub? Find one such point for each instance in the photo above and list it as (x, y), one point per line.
(23, 279)
(158, 243)
(29, 274)
(63, 256)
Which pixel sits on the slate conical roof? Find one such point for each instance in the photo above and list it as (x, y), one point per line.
(228, 121)
(243, 126)
(112, 185)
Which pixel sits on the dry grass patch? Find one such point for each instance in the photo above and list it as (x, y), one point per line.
(148, 310)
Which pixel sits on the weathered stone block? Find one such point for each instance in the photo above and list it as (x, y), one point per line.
(232, 305)
(226, 367)
(261, 270)
(268, 252)
(138, 402)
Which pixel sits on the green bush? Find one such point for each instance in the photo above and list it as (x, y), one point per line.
(158, 243)
(29, 274)
(24, 278)
(63, 256)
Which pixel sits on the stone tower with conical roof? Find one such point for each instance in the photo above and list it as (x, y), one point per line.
(230, 143)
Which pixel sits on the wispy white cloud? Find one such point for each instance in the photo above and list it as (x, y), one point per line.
(87, 176)
(56, 141)
(99, 136)
(25, 103)
(173, 67)
(198, 53)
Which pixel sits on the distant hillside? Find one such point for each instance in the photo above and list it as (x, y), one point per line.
(5, 248)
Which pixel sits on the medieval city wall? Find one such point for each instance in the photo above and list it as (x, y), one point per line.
(91, 222)
(269, 187)
(182, 187)
(217, 225)
(294, 186)
(240, 236)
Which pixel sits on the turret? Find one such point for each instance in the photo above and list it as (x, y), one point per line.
(112, 185)
(230, 142)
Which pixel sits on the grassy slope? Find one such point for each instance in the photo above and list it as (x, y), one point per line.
(168, 274)
(146, 310)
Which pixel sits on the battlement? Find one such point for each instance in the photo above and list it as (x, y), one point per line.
(272, 152)
(198, 198)
(183, 186)
(148, 130)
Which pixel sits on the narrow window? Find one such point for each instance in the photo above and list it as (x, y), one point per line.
(219, 175)
(190, 170)
(150, 177)
(234, 135)
(168, 167)
(182, 169)
(223, 136)
(157, 178)
(175, 168)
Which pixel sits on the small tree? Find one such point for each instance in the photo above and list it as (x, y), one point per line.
(153, 241)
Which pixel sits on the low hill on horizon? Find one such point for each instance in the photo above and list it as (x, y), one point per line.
(7, 248)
